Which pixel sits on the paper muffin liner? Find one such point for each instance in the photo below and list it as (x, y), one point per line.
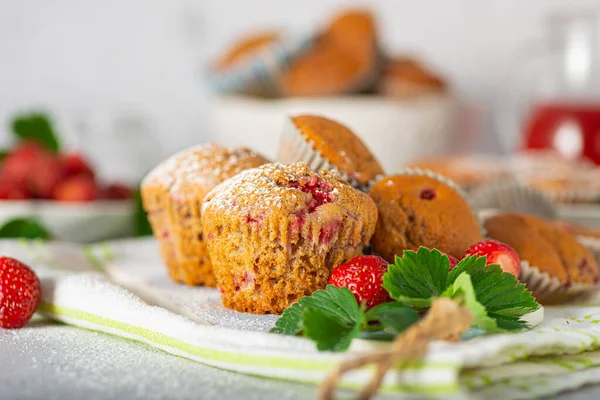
(449, 182)
(510, 195)
(295, 147)
(259, 73)
(549, 290)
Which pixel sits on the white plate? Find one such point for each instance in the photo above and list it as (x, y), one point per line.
(76, 222)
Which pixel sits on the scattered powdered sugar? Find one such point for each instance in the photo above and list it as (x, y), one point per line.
(49, 361)
(203, 166)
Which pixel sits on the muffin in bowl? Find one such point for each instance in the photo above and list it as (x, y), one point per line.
(274, 233)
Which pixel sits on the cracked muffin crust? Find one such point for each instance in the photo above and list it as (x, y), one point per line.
(339, 145)
(172, 195)
(274, 233)
(417, 210)
(546, 246)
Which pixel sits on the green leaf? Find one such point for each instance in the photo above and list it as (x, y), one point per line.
(330, 333)
(290, 322)
(27, 228)
(504, 298)
(140, 218)
(417, 277)
(36, 126)
(394, 317)
(463, 292)
(331, 317)
(3, 154)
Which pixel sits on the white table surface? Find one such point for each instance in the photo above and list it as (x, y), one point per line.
(49, 361)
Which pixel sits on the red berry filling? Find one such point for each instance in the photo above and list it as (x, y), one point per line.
(320, 190)
(427, 194)
(329, 231)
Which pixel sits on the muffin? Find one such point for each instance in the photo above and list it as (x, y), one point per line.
(405, 77)
(252, 65)
(564, 180)
(419, 210)
(327, 144)
(465, 170)
(553, 254)
(245, 48)
(274, 233)
(172, 195)
(343, 60)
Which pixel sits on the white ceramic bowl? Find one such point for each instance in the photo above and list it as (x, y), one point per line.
(81, 223)
(397, 131)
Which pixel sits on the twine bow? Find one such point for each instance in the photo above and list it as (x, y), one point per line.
(446, 320)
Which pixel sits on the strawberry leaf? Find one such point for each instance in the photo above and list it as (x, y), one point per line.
(417, 277)
(463, 292)
(36, 126)
(27, 228)
(394, 317)
(330, 317)
(503, 296)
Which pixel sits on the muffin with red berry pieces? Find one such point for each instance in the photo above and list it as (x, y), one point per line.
(420, 210)
(172, 195)
(558, 268)
(274, 233)
(327, 144)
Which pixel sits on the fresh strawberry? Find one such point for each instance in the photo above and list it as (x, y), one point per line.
(12, 190)
(78, 188)
(18, 164)
(363, 276)
(116, 191)
(497, 253)
(19, 293)
(76, 164)
(453, 261)
(46, 172)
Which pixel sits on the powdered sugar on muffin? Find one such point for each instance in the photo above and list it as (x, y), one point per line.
(275, 232)
(172, 195)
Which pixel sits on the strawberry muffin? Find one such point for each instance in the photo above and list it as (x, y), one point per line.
(327, 144)
(274, 233)
(551, 251)
(419, 210)
(246, 48)
(343, 60)
(172, 195)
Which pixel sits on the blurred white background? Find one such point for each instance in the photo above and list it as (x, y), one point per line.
(136, 63)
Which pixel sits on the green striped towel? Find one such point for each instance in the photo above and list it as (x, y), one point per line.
(558, 355)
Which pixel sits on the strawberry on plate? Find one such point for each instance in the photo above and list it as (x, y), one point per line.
(116, 191)
(497, 253)
(18, 164)
(76, 164)
(45, 173)
(363, 276)
(78, 188)
(11, 189)
(19, 293)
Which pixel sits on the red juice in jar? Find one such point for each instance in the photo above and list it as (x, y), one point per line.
(572, 128)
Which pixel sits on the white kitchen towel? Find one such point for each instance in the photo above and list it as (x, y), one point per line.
(557, 355)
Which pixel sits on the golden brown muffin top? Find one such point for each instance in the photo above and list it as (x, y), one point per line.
(417, 210)
(287, 190)
(340, 146)
(245, 47)
(195, 171)
(353, 28)
(545, 246)
(326, 69)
